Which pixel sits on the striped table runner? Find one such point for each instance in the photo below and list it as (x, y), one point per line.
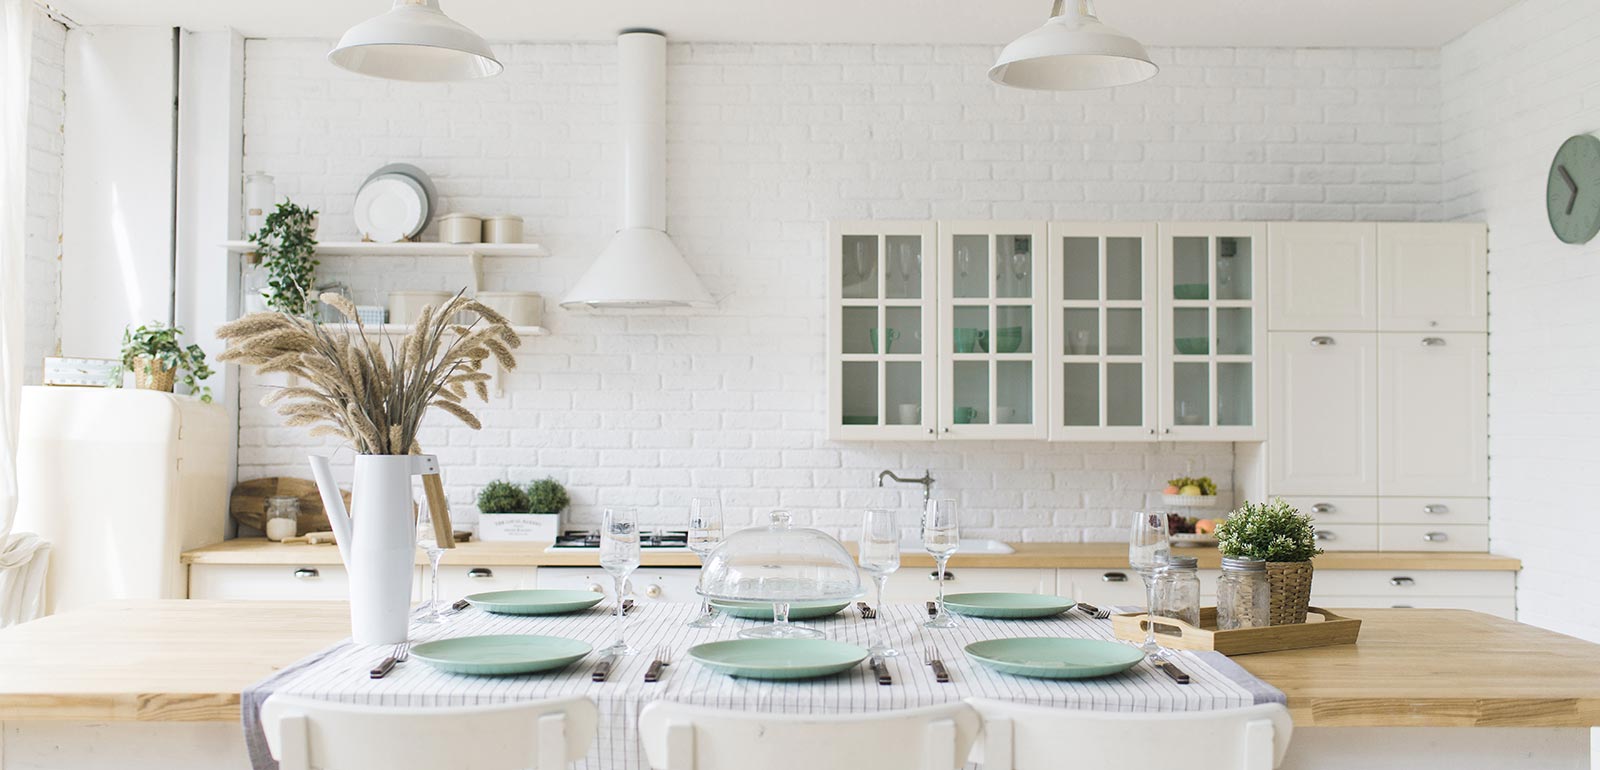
(340, 674)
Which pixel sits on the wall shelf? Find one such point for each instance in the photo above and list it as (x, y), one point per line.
(400, 330)
(411, 249)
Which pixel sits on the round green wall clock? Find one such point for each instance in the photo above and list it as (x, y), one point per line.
(1572, 194)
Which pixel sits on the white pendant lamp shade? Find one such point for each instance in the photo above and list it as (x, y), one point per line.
(1073, 51)
(415, 41)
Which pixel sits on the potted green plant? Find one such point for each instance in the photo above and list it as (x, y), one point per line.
(1284, 538)
(547, 496)
(154, 355)
(287, 246)
(508, 512)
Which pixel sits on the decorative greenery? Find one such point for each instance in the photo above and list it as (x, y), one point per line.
(287, 246)
(1206, 485)
(156, 347)
(547, 496)
(1272, 531)
(502, 497)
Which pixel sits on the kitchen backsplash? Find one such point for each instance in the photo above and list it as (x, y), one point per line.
(767, 143)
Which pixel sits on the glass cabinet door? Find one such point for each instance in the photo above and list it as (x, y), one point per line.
(1103, 332)
(882, 320)
(992, 331)
(1213, 331)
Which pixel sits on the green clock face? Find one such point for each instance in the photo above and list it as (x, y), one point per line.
(1572, 194)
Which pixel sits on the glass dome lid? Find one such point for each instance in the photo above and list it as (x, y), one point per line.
(781, 564)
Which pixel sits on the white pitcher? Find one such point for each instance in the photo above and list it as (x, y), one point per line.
(379, 543)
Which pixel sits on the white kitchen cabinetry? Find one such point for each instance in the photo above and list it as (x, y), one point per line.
(268, 582)
(1323, 413)
(1433, 277)
(458, 581)
(1433, 415)
(917, 584)
(1323, 276)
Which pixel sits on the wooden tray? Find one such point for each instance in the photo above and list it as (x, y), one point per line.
(248, 504)
(1330, 629)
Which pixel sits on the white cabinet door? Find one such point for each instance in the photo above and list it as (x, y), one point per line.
(1433, 277)
(916, 584)
(1433, 415)
(1103, 328)
(882, 327)
(992, 333)
(1322, 276)
(270, 582)
(1323, 413)
(456, 581)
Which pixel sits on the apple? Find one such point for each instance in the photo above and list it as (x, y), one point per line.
(1205, 527)
(1191, 490)
(1170, 490)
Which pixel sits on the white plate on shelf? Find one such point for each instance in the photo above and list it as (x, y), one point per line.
(1190, 501)
(391, 208)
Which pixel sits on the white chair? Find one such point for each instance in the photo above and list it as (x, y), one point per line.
(680, 737)
(544, 735)
(1018, 737)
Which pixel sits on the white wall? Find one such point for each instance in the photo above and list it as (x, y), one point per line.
(41, 269)
(1513, 89)
(766, 143)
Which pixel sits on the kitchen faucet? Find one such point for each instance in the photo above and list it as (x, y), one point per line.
(926, 481)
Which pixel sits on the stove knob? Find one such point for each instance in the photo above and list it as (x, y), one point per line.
(597, 588)
(653, 591)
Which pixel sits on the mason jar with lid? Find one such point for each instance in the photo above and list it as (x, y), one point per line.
(1244, 597)
(1177, 590)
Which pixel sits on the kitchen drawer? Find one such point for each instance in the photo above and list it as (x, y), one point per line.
(916, 584)
(1425, 537)
(1505, 607)
(1433, 510)
(667, 584)
(1401, 583)
(1334, 509)
(1347, 537)
(278, 583)
(1118, 587)
(456, 581)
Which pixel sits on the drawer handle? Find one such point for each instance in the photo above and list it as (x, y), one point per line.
(480, 573)
(306, 573)
(597, 588)
(1435, 537)
(1319, 341)
(948, 575)
(1323, 508)
(1401, 607)
(1323, 534)
(1114, 577)
(1433, 342)
(1401, 581)
(1435, 509)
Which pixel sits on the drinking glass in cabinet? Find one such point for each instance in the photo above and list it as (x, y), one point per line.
(1234, 394)
(1082, 331)
(1191, 333)
(1124, 331)
(1124, 269)
(1080, 384)
(1191, 393)
(1124, 394)
(1013, 332)
(1190, 275)
(902, 270)
(859, 330)
(1013, 269)
(905, 327)
(860, 268)
(902, 392)
(1080, 268)
(1013, 393)
(1233, 331)
(859, 392)
(971, 392)
(970, 268)
(1233, 269)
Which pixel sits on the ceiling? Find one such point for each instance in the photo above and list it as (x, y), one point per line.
(1271, 23)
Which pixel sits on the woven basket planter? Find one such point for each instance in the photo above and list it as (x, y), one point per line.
(1290, 582)
(148, 375)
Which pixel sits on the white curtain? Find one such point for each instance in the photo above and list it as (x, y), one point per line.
(23, 556)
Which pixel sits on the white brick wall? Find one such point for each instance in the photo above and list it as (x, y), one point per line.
(766, 143)
(1513, 89)
(42, 268)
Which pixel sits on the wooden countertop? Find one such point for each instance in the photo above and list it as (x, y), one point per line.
(189, 660)
(1028, 555)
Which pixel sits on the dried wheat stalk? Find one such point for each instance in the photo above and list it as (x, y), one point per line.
(372, 397)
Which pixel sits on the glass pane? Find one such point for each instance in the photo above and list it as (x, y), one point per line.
(1124, 269)
(902, 393)
(1013, 329)
(1191, 394)
(902, 271)
(1233, 268)
(1014, 393)
(971, 394)
(860, 268)
(969, 271)
(1082, 331)
(971, 331)
(1233, 331)
(1124, 331)
(1189, 278)
(860, 333)
(1013, 266)
(905, 330)
(1124, 394)
(860, 392)
(1081, 391)
(1080, 268)
(1234, 395)
(1190, 333)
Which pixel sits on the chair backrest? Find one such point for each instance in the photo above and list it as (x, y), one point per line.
(307, 734)
(681, 737)
(1019, 737)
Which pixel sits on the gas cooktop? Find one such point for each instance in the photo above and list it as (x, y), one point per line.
(655, 539)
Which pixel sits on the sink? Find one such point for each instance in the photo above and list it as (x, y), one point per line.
(968, 545)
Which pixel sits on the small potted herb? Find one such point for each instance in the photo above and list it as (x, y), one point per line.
(510, 513)
(1284, 538)
(154, 355)
(287, 245)
(547, 496)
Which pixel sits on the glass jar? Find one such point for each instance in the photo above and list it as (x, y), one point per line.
(283, 517)
(1177, 590)
(1244, 597)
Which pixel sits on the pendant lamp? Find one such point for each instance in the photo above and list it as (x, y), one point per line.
(1073, 51)
(415, 41)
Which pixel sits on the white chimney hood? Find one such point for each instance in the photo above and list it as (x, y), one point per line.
(641, 267)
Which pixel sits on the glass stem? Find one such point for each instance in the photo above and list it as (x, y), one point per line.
(433, 581)
(705, 601)
(1150, 645)
(619, 581)
(877, 630)
(940, 561)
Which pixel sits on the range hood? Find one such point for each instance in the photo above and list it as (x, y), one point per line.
(641, 267)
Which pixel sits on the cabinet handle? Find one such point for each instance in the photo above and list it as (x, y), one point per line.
(597, 588)
(946, 430)
(1114, 577)
(1152, 431)
(480, 573)
(1435, 509)
(1401, 581)
(653, 591)
(306, 573)
(1323, 508)
(1323, 534)
(1166, 430)
(1433, 342)
(948, 575)
(1321, 341)
(1435, 537)
(930, 431)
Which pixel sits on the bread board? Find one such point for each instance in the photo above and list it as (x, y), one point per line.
(248, 503)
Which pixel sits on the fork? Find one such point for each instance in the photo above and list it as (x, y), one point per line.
(402, 651)
(930, 657)
(1093, 611)
(663, 658)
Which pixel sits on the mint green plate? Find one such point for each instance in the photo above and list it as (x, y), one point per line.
(1007, 605)
(1191, 291)
(1054, 658)
(534, 601)
(763, 610)
(778, 658)
(500, 655)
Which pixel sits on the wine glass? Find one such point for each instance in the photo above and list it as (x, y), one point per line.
(907, 262)
(863, 267)
(879, 556)
(619, 556)
(941, 536)
(429, 543)
(705, 534)
(964, 260)
(1149, 545)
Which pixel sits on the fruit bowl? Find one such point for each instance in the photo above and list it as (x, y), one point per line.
(1190, 501)
(1192, 540)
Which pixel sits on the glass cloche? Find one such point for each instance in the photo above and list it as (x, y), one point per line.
(780, 564)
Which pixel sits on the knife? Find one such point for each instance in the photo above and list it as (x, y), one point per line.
(1172, 671)
(627, 606)
(933, 609)
(383, 668)
(602, 670)
(940, 675)
(882, 670)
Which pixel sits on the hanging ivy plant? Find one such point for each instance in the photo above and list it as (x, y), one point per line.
(287, 245)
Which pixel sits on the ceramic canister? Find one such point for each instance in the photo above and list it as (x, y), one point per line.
(461, 228)
(504, 228)
(406, 306)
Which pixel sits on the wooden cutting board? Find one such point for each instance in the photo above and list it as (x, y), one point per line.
(248, 504)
